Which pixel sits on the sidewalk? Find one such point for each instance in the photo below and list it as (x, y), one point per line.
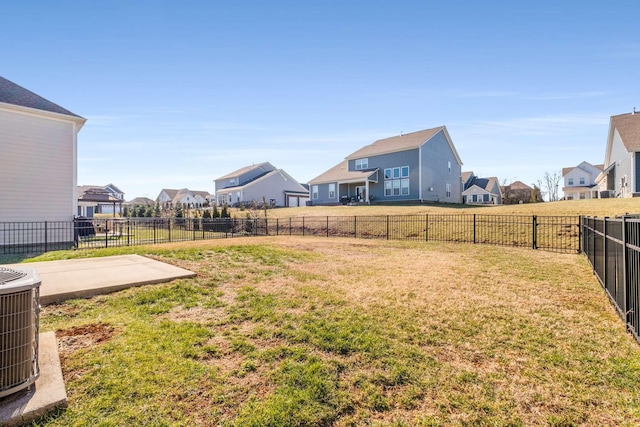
(83, 278)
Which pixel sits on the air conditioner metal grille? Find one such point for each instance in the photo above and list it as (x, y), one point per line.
(19, 324)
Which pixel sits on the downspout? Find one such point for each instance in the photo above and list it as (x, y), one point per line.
(366, 186)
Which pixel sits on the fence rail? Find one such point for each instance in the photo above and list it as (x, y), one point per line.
(560, 233)
(612, 246)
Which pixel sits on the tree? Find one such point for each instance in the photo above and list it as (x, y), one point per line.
(536, 194)
(179, 213)
(225, 212)
(125, 211)
(215, 213)
(551, 183)
(156, 209)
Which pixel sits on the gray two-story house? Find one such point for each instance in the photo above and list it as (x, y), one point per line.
(621, 174)
(258, 183)
(421, 166)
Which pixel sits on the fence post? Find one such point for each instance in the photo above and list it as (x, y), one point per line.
(580, 246)
(46, 236)
(474, 229)
(355, 227)
(387, 227)
(106, 233)
(426, 228)
(303, 226)
(625, 288)
(277, 226)
(535, 232)
(289, 226)
(128, 232)
(327, 225)
(604, 251)
(168, 229)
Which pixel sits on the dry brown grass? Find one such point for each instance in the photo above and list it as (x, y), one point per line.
(409, 333)
(598, 207)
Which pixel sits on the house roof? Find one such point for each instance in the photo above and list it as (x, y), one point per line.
(466, 175)
(95, 194)
(11, 93)
(262, 177)
(169, 192)
(393, 144)
(243, 170)
(518, 185)
(567, 170)
(487, 184)
(341, 172)
(141, 201)
(628, 126)
(203, 194)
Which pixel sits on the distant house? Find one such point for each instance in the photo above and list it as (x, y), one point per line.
(87, 206)
(188, 199)
(97, 199)
(621, 174)
(421, 166)
(38, 165)
(480, 191)
(518, 192)
(580, 181)
(258, 183)
(141, 201)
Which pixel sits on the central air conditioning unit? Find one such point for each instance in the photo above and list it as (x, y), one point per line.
(19, 322)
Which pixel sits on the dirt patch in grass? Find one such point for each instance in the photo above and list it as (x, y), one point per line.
(78, 337)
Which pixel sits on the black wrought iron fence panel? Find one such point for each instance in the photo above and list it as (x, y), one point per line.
(34, 237)
(612, 247)
(549, 233)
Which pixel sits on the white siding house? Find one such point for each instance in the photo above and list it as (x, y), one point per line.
(621, 174)
(580, 181)
(38, 165)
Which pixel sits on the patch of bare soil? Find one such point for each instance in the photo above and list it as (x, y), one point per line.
(78, 337)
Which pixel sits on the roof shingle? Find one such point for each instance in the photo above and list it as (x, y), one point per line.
(628, 126)
(393, 144)
(11, 93)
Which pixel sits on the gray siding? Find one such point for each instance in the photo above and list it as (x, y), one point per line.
(436, 154)
(393, 160)
(37, 168)
(271, 187)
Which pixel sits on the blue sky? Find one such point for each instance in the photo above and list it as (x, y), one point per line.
(178, 93)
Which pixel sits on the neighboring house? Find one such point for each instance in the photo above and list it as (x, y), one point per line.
(93, 199)
(114, 203)
(580, 181)
(169, 199)
(517, 192)
(258, 183)
(621, 174)
(421, 166)
(480, 191)
(38, 165)
(141, 201)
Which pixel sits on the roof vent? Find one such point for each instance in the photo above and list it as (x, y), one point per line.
(19, 311)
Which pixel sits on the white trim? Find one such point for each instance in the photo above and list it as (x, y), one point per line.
(74, 179)
(42, 113)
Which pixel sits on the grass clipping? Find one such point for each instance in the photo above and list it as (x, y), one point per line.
(317, 332)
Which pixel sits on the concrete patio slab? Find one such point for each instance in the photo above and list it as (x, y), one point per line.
(83, 278)
(47, 394)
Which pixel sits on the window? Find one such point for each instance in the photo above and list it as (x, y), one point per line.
(314, 191)
(332, 191)
(362, 164)
(449, 166)
(232, 181)
(448, 190)
(582, 180)
(583, 195)
(396, 181)
(570, 181)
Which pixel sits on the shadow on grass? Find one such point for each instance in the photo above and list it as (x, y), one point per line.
(17, 258)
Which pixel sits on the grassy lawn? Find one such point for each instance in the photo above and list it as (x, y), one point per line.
(597, 207)
(302, 331)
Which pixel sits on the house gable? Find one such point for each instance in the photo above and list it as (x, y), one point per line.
(39, 156)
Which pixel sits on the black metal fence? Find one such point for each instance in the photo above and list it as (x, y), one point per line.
(560, 234)
(612, 246)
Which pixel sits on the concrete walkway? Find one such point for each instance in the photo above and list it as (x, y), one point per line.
(83, 278)
(77, 278)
